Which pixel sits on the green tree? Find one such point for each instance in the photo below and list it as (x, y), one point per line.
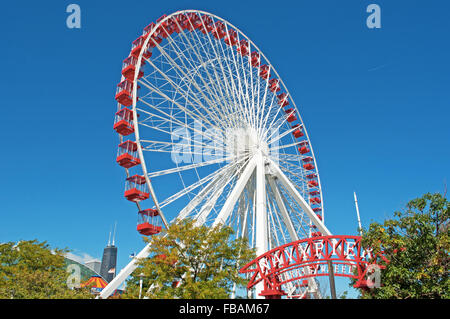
(205, 261)
(416, 243)
(31, 270)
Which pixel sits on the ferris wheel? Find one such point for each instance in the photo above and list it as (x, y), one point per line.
(209, 131)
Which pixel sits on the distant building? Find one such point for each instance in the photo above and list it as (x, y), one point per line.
(109, 262)
(85, 272)
(94, 264)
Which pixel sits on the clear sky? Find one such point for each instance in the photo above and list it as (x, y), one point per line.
(375, 102)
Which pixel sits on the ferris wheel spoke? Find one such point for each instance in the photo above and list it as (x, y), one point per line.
(200, 196)
(223, 85)
(188, 167)
(156, 90)
(173, 119)
(199, 183)
(185, 76)
(197, 68)
(218, 181)
(213, 87)
(282, 209)
(232, 90)
(208, 135)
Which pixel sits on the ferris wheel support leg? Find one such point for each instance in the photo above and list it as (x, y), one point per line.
(306, 208)
(261, 235)
(124, 273)
(299, 199)
(227, 208)
(284, 214)
(291, 230)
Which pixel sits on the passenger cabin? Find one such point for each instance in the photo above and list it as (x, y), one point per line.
(290, 115)
(315, 200)
(127, 156)
(231, 38)
(274, 85)
(255, 59)
(219, 30)
(136, 188)
(303, 147)
(123, 122)
(129, 68)
(283, 99)
(148, 222)
(192, 21)
(243, 47)
(136, 46)
(313, 183)
(207, 24)
(124, 92)
(164, 30)
(297, 132)
(308, 165)
(181, 21)
(264, 71)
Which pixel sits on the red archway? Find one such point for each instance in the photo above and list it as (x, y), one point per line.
(311, 257)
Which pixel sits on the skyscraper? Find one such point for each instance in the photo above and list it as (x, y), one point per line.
(109, 260)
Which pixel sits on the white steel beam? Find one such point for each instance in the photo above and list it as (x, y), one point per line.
(261, 236)
(299, 199)
(227, 208)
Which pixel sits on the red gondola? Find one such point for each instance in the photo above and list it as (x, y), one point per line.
(243, 47)
(264, 71)
(123, 122)
(124, 92)
(283, 99)
(192, 21)
(127, 156)
(274, 85)
(255, 59)
(313, 183)
(231, 38)
(207, 24)
(298, 131)
(165, 28)
(136, 188)
(148, 223)
(136, 46)
(308, 165)
(129, 68)
(291, 115)
(303, 149)
(219, 30)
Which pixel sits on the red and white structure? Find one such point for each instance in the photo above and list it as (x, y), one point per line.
(209, 131)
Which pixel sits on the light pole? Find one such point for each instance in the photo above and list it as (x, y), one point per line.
(141, 279)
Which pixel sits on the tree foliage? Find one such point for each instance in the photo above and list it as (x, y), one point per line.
(416, 243)
(205, 261)
(31, 270)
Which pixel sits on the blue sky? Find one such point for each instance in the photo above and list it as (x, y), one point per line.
(375, 102)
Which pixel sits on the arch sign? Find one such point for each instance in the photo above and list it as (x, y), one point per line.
(312, 257)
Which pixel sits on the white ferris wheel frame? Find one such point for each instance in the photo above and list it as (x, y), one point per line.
(260, 165)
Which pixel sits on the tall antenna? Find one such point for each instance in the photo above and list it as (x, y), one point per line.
(114, 234)
(109, 238)
(357, 213)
